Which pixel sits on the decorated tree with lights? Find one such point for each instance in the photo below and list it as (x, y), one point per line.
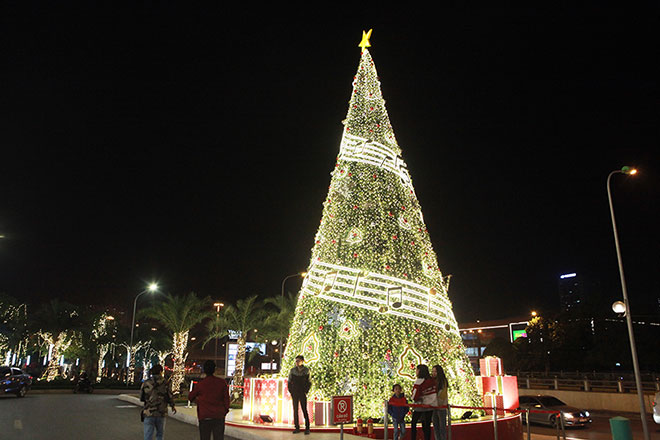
(374, 303)
(56, 323)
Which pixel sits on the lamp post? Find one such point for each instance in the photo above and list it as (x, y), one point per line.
(218, 306)
(626, 303)
(153, 287)
(299, 274)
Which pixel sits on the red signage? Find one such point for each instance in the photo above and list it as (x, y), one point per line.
(342, 409)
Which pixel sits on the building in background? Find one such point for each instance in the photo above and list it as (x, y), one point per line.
(571, 292)
(477, 335)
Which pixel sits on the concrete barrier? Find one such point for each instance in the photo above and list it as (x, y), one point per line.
(619, 402)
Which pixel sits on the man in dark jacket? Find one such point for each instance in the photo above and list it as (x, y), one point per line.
(212, 396)
(299, 385)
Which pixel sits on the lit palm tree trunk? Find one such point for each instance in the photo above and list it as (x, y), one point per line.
(179, 344)
(103, 350)
(131, 363)
(145, 368)
(240, 361)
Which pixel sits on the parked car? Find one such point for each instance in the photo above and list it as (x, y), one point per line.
(14, 381)
(656, 408)
(572, 416)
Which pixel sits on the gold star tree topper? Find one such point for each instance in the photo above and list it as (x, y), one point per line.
(365, 39)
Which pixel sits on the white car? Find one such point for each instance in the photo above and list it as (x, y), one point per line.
(656, 408)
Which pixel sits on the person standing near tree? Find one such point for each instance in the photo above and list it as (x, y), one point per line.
(299, 385)
(156, 395)
(424, 393)
(440, 415)
(212, 396)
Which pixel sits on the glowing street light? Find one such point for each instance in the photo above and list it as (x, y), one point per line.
(619, 307)
(625, 303)
(534, 313)
(151, 288)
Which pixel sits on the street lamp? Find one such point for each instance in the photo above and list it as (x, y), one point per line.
(153, 287)
(619, 307)
(299, 274)
(218, 306)
(626, 304)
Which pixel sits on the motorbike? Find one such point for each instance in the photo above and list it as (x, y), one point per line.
(83, 385)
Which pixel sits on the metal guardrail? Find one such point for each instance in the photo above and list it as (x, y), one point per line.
(587, 384)
(645, 376)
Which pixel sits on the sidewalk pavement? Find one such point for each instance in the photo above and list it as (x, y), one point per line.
(189, 415)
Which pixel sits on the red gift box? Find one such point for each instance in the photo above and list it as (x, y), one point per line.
(494, 400)
(507, 386)
(490, 366)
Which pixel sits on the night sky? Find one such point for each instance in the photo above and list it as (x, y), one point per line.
(194, 146)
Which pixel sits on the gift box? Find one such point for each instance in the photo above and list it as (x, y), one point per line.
(321, 412)
(490, 366)
(270, 397)
(507, 386)
(494, 400)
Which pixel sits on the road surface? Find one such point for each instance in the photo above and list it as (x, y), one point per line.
(78, 416)
(600, 428)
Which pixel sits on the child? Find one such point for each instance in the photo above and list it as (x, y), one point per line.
(398, 412)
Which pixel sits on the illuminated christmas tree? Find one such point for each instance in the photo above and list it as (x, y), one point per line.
(374, 303)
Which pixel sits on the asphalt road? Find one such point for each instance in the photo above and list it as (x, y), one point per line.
(599, 429)
(78, 416)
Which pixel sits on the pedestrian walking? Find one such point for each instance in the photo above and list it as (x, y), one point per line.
(424, 393)
(299, 385)
(212, 397)
(440, 415)
(397, 408)
(156, 395)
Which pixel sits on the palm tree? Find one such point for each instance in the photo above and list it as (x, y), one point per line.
(277, 325)
(179, 314)
(244, 316)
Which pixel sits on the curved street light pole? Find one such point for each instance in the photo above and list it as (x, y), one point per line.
(631, 335)
(218, 306)
(151, 288)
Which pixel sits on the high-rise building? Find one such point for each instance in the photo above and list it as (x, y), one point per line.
(571, 291)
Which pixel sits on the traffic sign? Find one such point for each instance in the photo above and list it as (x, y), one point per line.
(342, 409)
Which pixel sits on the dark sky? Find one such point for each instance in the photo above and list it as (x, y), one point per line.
(194, 146)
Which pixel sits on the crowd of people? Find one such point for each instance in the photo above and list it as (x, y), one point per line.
(429, 390)
(212, 397)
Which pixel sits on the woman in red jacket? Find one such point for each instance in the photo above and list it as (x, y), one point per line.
(424, 393)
